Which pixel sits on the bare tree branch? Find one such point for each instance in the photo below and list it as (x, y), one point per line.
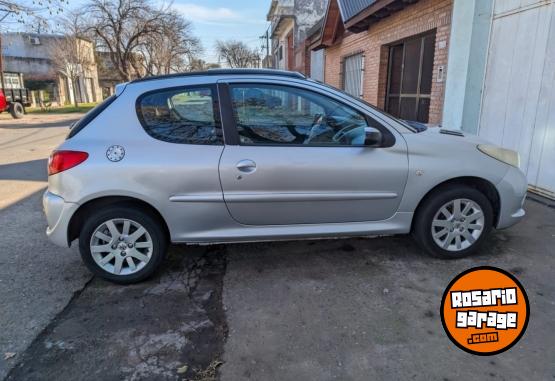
(141, 38)
(237, 54)
(34, 14)
(172, 48)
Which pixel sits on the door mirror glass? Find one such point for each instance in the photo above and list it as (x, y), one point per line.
(373, 137)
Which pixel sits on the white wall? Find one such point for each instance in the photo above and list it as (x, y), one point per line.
(468, 46)
(518, 105)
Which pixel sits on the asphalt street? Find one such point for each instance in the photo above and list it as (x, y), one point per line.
(355, 309)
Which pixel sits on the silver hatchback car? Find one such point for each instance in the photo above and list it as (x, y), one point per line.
(251, 155)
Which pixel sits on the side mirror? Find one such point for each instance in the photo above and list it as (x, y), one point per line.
(373, 137)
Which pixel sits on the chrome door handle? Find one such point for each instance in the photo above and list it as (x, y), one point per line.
(246, 166)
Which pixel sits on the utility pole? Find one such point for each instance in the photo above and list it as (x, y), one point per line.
(266, 44)
(1, 64)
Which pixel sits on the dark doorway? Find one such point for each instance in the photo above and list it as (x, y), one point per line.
(409, 86)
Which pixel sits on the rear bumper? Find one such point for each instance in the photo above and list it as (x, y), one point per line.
(58, 214)
(512, 193)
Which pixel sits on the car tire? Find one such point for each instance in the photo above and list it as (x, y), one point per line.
(17, 110)
(146, 252)
(437, 234)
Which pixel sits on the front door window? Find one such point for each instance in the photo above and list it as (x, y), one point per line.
(282, 115)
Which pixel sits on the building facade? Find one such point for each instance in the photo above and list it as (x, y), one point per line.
(290, 20)
(30, 55)
(108, 76)
(391, 54)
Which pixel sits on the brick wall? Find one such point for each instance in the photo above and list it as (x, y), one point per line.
(302, 59)
(415, 19)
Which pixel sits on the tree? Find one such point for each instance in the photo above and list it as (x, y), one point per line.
(73, 55)
(141, 39)
(170, 49)
(32, 12)
(198, 64)
(237, 54)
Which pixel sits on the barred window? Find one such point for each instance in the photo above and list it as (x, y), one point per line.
(352, 74)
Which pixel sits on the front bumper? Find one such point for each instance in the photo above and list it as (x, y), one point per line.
(58, 214)
(512, 193)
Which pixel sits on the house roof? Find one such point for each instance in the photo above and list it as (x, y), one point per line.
(316, 28)
(355, 16)
(351, 8)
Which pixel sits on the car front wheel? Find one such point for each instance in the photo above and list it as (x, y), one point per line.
(453, 222)
(121, 244)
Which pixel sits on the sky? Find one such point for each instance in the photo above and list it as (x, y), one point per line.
(213, 20)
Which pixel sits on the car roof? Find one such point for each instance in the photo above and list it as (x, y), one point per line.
(215, 72)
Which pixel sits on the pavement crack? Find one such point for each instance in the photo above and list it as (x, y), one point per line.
(182, 326)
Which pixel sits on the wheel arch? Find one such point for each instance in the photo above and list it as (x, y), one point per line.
(484, 186)
(79, 217)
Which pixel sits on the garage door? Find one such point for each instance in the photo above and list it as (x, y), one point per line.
(518, 107)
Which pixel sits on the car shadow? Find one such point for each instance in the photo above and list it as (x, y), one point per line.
(18, 126)
(33, 170)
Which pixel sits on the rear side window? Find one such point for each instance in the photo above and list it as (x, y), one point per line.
(185, 115)
(84, 121)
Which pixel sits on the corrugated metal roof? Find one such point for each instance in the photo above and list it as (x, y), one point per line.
(351, 8)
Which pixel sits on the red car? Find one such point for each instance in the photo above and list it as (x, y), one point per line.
(14, 101)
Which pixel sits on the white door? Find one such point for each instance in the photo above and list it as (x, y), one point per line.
(518, 107)
(317, 65)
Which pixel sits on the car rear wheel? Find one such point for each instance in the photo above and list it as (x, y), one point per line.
(122, 244)
(453, 222)
(17, 110)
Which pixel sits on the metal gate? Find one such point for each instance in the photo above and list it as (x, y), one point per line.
(409, 84)
(518, 105)
(353, 69)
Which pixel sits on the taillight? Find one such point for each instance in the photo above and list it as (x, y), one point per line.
(60, 161)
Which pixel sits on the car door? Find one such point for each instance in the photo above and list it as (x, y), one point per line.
(296, 155)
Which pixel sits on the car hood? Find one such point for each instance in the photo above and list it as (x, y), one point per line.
(419, 127)
(454, 136)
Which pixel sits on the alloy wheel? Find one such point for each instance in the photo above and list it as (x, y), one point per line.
(121, 246)
(458, 224)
